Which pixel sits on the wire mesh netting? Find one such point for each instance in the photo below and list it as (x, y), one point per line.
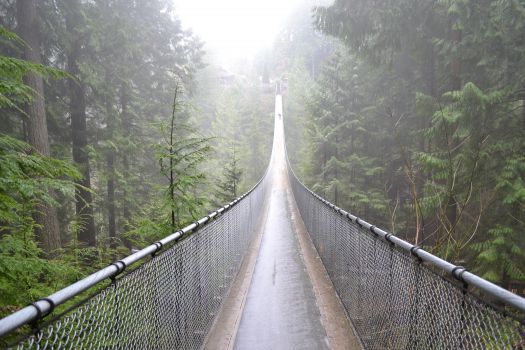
(168, 302)
(394, 300)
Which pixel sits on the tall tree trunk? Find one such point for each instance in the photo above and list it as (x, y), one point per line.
(45, 216)
(336, 173)
(523, 110)
(126, 131)
(431, 71)
(110, 121)
(77, 108)
(455, 66)
(455, 85)
(112, 227)
(172, 153)
(426, 122)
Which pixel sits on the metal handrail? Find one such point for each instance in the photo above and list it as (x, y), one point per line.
(44, 306)
(457, 272)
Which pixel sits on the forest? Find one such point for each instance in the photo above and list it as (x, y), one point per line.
(413, 118)
(116, 128)
(113, 134)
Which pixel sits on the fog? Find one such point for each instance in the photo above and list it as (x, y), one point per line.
(235, 30)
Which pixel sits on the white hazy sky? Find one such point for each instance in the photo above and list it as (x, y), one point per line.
(235, 29)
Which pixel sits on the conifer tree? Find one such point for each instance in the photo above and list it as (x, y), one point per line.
(228, 185)
(35, 121)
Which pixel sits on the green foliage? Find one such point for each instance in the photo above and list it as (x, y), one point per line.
(149, 226)
(417, 124)
(228, 186)
(500, 255)
(13, 91)
(511, 180)
(26, 179)
(179, 154)
(128, 56)
(181, 197)
(183, 157)
(235, 114)
(25, 275)
(338, 136)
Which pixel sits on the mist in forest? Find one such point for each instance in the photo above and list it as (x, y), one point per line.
(122, 121)
(234, 30)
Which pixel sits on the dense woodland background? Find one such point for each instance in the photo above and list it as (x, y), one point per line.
(128, 136)
(413, 118)
(116, 129)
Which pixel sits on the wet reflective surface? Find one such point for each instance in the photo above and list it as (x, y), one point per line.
(280, 310)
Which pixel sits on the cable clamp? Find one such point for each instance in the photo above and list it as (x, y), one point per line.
(51, 303)
(180, 236)
(39, 313)
(120, 265)
(159, 246)
(387, 238)
(414, 250)
(457, 272)
(34, 322)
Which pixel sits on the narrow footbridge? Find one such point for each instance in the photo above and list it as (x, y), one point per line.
(277, 268)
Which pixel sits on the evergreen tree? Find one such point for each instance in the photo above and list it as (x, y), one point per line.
(75, 25)
(428, 98)
(35, 122)
(28, 180)
(228, 185)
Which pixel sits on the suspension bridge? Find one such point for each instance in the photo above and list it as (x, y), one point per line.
(278, 268)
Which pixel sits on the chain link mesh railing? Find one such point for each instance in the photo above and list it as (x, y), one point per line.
(398, 296)
(168, 302)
